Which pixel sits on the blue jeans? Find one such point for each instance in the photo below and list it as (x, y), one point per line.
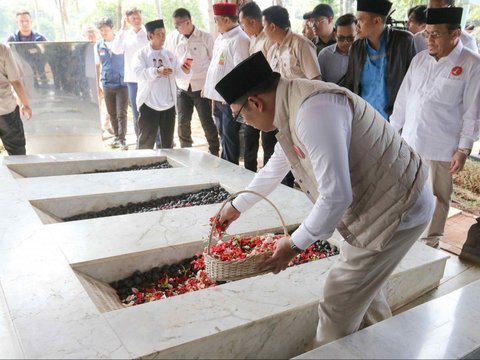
(229, 132)
(132, 96)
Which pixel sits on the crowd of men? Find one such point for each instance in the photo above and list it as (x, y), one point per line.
(164, 77)
(363, 113)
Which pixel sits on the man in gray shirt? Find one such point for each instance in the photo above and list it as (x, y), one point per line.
(333, 60)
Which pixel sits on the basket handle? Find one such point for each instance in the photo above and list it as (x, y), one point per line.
(233, 196)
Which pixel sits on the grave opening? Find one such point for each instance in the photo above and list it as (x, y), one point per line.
(57, 210)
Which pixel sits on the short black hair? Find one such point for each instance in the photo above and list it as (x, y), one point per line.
(346, 20)
(105, 21)
(23, 12)
(181, 13)
(418, 14)
(452, 27)
(251, 10)
(277, 15)
(132, 11)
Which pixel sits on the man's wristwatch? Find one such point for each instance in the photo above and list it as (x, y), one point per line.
(465, 151)
(294, 247)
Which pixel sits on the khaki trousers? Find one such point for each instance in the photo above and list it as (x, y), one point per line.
(442, 186)
(352, 294)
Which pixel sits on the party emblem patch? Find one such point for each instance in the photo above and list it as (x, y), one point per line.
(456, 70)
(299, 152)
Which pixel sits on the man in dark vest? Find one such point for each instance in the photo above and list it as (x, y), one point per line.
(380, 57)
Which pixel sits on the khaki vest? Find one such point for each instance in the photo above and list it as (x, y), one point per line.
(387, 176)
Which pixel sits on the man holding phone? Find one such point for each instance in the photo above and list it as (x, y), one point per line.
(193, 47)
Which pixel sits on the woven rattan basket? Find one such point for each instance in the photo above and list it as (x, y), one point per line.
(218, 270)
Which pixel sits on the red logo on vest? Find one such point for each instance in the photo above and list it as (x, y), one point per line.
(299, 152)
(456, 70)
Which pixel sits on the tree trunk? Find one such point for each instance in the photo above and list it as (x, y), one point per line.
(37, 23)
(119, 14)
(158, 9)
(61, 9)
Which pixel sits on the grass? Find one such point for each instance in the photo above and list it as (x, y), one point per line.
(466, 188)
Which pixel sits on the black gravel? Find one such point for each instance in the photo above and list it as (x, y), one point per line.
(209, 196)
(155, 166)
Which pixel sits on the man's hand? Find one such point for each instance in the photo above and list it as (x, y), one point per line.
(164, 71)
(457, 163)
(281, 257)
(186, 68)
(228, 215)
(26, 111)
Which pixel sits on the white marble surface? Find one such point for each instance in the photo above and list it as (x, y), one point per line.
(444, 328)
(9, 346)
(53, 316)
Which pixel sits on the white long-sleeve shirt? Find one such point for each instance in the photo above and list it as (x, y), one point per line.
(438, 105)
(199, 47)
(229, 49)
(128, 42)
(324, 126)
(158, 92)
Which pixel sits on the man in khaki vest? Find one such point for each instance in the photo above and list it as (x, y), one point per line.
(361, 176)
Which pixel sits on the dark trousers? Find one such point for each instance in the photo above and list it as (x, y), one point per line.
(251, 136)
(116, 101)
(132, 95)
(150, 122)
(12, 134)
(229, 132)
(186, 101)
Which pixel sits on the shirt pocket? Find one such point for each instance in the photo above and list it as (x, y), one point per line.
(448, 91)
(290, 65)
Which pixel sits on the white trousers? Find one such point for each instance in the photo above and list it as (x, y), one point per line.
(352, 294)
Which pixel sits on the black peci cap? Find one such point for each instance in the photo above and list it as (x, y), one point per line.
(155, 24)
(247, 75)
(448, 15)
(381, 7)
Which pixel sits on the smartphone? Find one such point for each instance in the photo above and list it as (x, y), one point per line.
(188, 61)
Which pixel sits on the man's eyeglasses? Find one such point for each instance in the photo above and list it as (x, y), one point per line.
(311, 23)
(348, 39)
(433, 34)
(237, 117)
(179, 23)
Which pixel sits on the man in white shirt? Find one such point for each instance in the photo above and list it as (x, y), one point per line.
(467, 40)
(156, 69)
(437, 109)
(250, 18)
(128, 42)
(361, 176)
(189, 42)
(230, 48)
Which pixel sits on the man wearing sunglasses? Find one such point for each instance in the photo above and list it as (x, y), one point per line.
(333, 60)
(320, 19)
(438, 108)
